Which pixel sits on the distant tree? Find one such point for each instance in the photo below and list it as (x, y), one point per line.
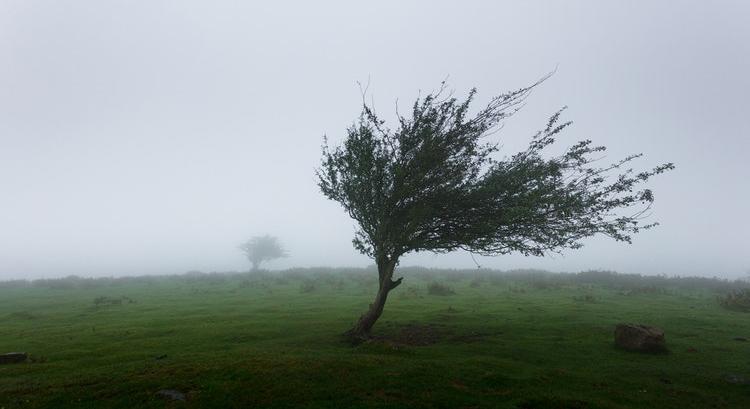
(262, 248)
(432, 184)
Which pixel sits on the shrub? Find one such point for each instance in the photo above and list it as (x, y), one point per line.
(439, 289)
(647, 290)
(102, 301)
(338, 284)
(14, 284)
(281, 281)
(738, 300)
(544, 285)
(410, 291)
(307, 286)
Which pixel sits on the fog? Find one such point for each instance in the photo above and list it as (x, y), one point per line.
(154, 137)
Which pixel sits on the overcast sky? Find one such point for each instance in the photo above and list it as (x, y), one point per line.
(144, 137)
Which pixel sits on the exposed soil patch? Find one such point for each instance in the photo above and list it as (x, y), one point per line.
(428, 334)
(417, 335)
(554, 403)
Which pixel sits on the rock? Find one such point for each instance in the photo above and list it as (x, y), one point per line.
(13, 358)
(171, 394)
(737, 379)
(640, 338)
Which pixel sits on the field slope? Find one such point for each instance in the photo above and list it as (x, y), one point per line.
(523, 340)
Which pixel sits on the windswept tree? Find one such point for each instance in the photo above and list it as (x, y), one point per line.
(262, 248)
(434, 184)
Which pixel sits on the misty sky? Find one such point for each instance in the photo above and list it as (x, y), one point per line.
(144, 137)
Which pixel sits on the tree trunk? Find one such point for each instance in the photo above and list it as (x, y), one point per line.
(256, 265)
(361, 331)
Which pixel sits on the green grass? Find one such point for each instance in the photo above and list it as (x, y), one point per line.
(273, 341)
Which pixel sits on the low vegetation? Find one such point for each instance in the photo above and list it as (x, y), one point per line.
(103, 301)
(738, 300)
(439, 289)
(514, 339)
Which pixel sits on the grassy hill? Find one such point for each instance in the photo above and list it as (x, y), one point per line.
(448, 339)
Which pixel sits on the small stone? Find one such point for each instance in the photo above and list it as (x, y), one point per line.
(171, 394)
(13, 358)
(737, 379)
(640, 338)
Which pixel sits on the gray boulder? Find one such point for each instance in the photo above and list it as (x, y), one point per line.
(171, 394)
(640, 338)
(13, 358)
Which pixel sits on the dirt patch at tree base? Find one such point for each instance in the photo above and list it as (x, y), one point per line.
(555, 403)
(415, 334)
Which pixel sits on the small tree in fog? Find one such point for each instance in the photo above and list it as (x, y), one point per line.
(262, 248)
(433, 184)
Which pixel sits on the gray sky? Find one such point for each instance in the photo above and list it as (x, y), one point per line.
(153, 137)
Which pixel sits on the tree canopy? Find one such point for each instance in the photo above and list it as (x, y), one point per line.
(262, 248)
(434, 183)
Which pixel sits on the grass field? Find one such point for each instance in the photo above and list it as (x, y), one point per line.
(515, 340)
